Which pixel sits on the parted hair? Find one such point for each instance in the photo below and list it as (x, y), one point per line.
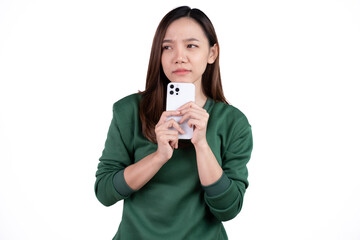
(153, 98)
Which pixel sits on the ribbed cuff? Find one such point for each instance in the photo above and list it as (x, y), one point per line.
(218, 187)
(120, 184)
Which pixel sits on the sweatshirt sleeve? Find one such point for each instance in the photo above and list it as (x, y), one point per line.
(110, 185)
(225, 197)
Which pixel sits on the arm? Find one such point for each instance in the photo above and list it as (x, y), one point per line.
(138, 174)
(208, 167)
(118, 176)
(225, 196)
(224, 185)
(115, 157)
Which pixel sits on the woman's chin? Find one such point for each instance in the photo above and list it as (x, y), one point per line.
(181, 80)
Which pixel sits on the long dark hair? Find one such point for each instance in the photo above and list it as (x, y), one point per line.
(152, 103)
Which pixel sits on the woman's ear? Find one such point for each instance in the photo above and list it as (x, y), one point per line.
(214, 52)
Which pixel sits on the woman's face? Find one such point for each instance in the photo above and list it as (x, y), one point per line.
(186, 51)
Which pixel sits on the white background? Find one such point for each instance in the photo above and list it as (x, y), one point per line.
(291, 66)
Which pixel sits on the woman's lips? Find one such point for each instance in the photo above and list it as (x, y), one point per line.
(181, 71)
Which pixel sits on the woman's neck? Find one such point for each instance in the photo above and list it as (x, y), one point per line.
(200, 97)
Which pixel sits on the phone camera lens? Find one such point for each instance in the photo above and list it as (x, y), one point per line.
(171, 86)
(177, 89)
(171, 92)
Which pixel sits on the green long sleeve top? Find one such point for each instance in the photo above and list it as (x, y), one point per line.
(174, 204)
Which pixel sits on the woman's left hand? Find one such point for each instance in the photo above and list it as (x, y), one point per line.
(198, 118)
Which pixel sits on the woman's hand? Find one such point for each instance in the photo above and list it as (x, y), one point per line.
(198, 117)
(167, 139)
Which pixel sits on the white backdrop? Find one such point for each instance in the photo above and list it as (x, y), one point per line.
(292, 67)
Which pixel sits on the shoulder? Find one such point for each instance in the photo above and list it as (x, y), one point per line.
(227, 118)
(127, 103)
(127, 107)
(229, 113)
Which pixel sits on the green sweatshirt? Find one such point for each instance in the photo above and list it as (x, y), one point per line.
(173, 204)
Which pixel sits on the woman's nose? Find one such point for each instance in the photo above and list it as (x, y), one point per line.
(180, 56)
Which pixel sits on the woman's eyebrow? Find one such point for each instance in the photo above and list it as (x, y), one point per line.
(186, 40)
(167, 41)
(191, 40)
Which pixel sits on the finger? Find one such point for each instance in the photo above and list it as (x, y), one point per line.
(167, 114)
(174, 124)
(200, 111)
(184, 118)
(187, 105)
(194, 115)
(194, 122)
(167, 132)
(168, 138)
(172, 144)
(160, 130)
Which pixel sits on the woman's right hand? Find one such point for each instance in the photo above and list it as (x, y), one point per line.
(167, 139)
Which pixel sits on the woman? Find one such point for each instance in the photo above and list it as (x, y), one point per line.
(177, 189)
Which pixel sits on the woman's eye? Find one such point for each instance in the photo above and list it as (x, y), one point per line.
(166, 47)
(191, 46)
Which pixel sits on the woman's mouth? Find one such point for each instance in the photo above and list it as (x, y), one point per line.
(181, 71)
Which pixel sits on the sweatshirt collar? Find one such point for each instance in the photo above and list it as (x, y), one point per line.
(208, 104)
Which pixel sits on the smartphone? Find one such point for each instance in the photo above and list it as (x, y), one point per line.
(177, 94)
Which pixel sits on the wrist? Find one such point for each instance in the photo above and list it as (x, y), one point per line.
(202, 145)
(159, 158)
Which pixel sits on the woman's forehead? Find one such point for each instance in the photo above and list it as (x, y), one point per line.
(184, 29)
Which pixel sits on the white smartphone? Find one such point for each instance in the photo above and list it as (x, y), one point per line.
(177, 94)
